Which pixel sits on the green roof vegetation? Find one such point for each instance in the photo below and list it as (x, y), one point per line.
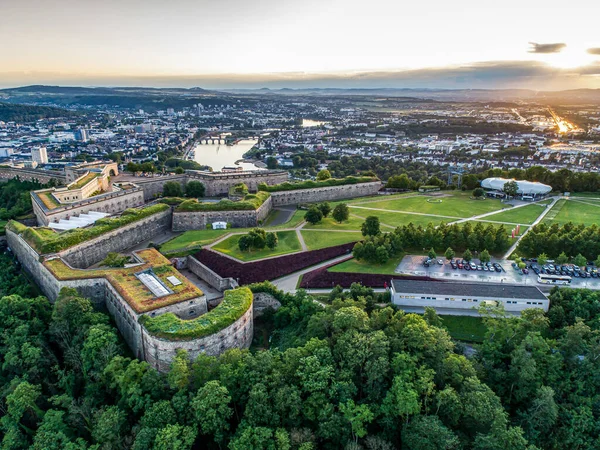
(310, 184)
(48, 200)
(168, 326)
(45, 240)
(135, 293)
(81, 182)
(251, 202)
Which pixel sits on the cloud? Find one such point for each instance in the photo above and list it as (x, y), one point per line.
(483, 75)
(546, 48)
(594, 51)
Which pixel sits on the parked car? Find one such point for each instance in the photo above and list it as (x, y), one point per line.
(473, 266)
(525, 271)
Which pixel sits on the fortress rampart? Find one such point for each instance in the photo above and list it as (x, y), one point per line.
(321, 194)
(159, 352)
(95, 250)
(42, 176)
(197, 220)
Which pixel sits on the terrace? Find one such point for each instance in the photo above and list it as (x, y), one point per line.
(128, 284)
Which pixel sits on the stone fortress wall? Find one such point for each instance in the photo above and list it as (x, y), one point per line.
(88, 253)
(111, 203)
(197, 220)
(330, 193)
(219, 183)
(158, 352)
(42, 176)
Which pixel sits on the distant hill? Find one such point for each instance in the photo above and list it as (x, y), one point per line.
(28, 113)
(149, 99)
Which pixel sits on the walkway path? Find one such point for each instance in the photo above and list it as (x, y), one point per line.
(538, 220)
(301, 239)
(404, 212)
(289, 282)
(481, 216)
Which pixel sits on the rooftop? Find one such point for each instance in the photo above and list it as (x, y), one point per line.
(468, 289)
(128, 284)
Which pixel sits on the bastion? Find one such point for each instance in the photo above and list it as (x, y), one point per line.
(156, 308)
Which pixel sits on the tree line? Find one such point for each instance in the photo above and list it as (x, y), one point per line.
(352, 375)
(570, 239)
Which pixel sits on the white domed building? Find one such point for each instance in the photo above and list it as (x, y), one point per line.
(527, 190)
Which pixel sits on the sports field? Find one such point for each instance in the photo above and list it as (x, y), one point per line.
(580, 210)
(288, 243)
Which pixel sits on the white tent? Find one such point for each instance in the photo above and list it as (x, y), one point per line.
(523, 187)
(83, 220)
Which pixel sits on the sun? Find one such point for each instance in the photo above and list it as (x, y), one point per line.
(569, 58)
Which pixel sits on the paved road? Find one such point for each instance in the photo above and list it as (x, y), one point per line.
(284, 214)
(288, 283)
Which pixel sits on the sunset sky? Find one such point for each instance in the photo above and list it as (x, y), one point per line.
(326, 43)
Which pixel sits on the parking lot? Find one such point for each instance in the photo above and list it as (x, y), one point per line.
(413, 265)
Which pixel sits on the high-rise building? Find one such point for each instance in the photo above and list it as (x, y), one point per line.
(81, 135)
(39, 155)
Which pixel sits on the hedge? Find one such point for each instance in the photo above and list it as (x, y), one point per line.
(45, 240)
(310, 184)
(168, 326)
(323, 279)
(268, 269)
(251, 202)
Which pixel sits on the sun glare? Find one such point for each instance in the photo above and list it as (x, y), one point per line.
(570, 58)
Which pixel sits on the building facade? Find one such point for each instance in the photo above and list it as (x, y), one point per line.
(466, 298)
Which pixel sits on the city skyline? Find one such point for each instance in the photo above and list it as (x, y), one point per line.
(333, 43)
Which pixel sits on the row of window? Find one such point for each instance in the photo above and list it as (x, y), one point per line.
(509, 302)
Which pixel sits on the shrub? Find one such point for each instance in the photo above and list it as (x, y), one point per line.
(45, 240)
(341, 213)
(309, 184)
(250, 203)
(168, 326)
(268, 269)
(313, 215)
(172, 189)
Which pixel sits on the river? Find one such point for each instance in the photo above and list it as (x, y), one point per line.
(218, 156)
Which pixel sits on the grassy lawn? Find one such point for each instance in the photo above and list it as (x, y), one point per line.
(320, 239)
(193, 238)
(576, 211)
(294, 221)
(525, 215)
(465, 328)
(456, 204)
(352, 224)
(395, 219)
(353, 265)
(288, 243)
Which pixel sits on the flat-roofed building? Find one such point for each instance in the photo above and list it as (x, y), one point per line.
(465, 298)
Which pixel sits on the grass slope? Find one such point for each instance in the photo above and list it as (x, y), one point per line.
(465, 328)
(354, 266)
(320, 239)
(288, 243)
